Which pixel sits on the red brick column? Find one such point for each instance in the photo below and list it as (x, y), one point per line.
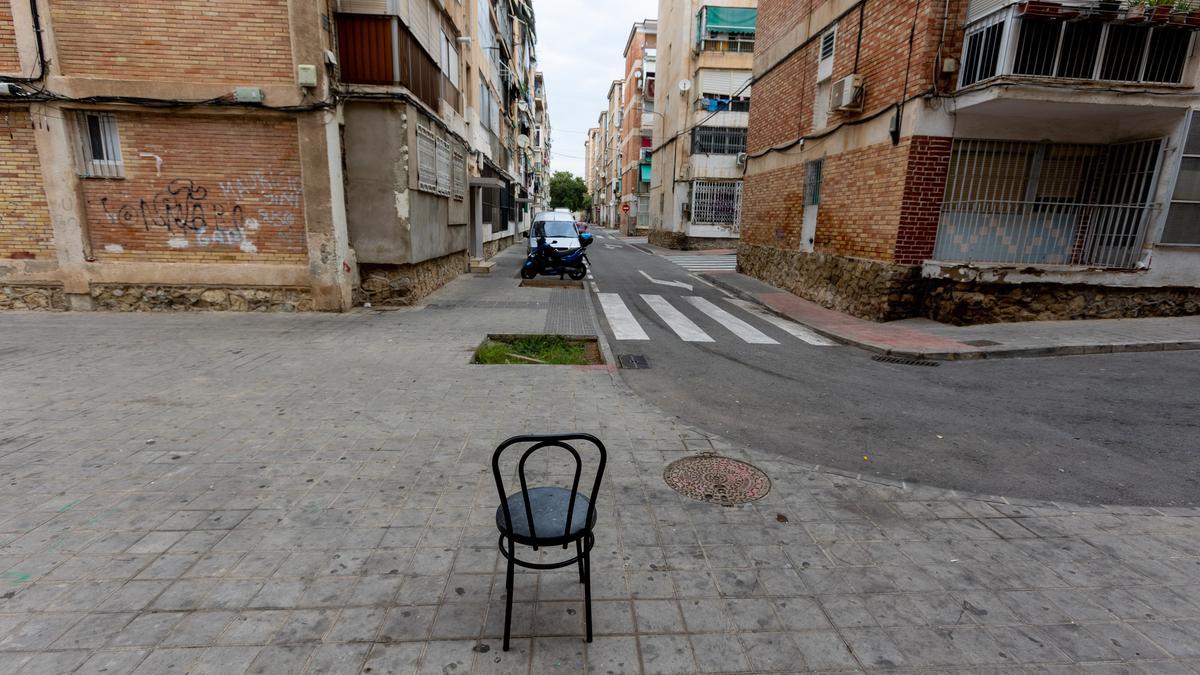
(924, 188)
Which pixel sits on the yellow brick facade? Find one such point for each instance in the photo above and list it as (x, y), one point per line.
(232, 41)
(25, 230)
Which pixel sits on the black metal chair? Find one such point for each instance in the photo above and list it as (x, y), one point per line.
(548, 516)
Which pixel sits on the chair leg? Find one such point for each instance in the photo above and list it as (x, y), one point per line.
(508, 584)
(587, 592)
(579, 552)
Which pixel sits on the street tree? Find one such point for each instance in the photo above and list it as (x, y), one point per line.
(568, 191)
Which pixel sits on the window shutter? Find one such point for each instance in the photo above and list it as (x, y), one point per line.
(725, 82)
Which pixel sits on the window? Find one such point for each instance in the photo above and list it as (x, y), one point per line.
(828, 45)
(981, 57)
(427, 160)
(717, 203)
(726, 29)
(443, 168)
(719, 140)
(812, 181)
(719, 103)
(1082, 50)
(99, 146)
(1183, 216)
(450, 60)
(459, 187)
(1047, 203)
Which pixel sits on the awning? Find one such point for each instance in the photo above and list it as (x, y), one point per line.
(730, 19)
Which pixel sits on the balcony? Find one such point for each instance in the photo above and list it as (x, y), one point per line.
(726, 29)
(1099, 42)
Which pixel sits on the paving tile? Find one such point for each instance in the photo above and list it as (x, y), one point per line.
(281, 660)
(666, 654)
(558, 655)
(772, 652)
(113, 661)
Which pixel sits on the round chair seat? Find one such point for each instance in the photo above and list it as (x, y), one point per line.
(549, 507)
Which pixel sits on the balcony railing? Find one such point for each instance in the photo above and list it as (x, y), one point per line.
(741, 45)
(1048, 204)
(1050, 40)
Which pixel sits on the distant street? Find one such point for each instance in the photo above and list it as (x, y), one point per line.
(1118, 429)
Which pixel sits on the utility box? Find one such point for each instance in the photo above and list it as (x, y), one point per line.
(248, 95)
(306, 75)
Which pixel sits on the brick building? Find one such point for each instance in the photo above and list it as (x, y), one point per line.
(975, 160)
(704, 56)
(637, 126)
(254, 154)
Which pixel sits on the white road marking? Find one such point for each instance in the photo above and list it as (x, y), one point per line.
(735, 325)
(624, 326)
(677, 284)
(683, 326)
(705, 263)
(595, 288)
(794, 329)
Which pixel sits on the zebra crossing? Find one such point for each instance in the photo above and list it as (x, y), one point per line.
(625, 325)
(706, 263)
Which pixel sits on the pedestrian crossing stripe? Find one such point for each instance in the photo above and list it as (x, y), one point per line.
(684, 327)
(705, 263)
(625, 325)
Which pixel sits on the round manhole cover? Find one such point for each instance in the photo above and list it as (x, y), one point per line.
(716, 479)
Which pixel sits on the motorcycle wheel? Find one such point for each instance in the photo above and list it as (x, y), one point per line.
(577, 273)
(528, 273)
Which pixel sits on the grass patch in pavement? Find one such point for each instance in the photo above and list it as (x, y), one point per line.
(554, 350)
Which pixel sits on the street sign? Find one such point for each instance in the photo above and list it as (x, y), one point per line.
(625, 207)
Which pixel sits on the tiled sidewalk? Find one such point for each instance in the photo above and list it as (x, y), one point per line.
(921, 338)
(286, 494)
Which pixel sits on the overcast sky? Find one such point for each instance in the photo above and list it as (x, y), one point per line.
(580, 43)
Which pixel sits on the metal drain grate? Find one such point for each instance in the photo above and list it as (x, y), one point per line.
(716, 479)
(633, 362)
(906, 362)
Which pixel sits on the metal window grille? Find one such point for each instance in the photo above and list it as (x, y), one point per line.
(1084, 50)
(728, 42)
(981, 57)
(460, 176)
(1042, 203)
(722, 102)
(427, 162)
(99, 145)
(443, 168)
(719, 140)
(717, 203)
(812, 181)
(1183, 217)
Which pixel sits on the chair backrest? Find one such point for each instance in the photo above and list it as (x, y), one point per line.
(538, 442)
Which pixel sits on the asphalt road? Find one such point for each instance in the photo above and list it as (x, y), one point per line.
(1111, 429)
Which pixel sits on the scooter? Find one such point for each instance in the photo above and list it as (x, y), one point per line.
(545, 260)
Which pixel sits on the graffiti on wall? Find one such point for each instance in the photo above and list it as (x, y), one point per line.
(191, 214)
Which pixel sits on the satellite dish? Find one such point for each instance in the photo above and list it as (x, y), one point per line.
(685, 85)
(522, 141)
(522, 106)
(637, 74)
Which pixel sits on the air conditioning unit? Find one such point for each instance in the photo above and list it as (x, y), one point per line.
(742, 158)
(846, 95)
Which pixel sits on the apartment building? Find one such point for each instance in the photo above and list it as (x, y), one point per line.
(976, 160)
(613, 123)
(594, 151)
(257, 154)
(704, 54)
(637, 126)
(541, 145)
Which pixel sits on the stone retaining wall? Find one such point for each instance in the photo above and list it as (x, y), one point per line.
(32, 297)
(153, 298)
(965, 303)
(885, 292)
(399, 285)
(681, 242)
(491, 248)
(866, 288)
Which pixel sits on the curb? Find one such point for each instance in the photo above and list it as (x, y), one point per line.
(973, 355)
